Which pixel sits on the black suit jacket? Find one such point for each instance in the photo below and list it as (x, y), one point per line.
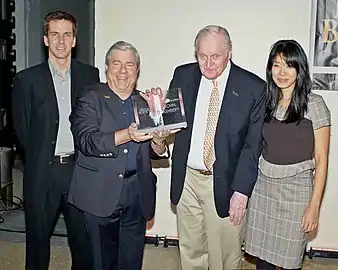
(100, 165)
(36, 119)
(238, 139)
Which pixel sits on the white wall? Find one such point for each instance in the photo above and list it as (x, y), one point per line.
(163, 32)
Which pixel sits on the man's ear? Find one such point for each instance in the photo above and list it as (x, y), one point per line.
(230, 54)
(74, 42)
(45, 40)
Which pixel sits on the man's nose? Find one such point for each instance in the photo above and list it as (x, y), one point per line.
(123, 69)
(61, 39)
(209, 63)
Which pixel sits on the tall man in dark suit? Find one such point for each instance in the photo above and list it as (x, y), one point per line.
(214, 162)
(113, 182)
(43, 97)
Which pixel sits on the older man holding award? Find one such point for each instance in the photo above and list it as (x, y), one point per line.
(113, 182)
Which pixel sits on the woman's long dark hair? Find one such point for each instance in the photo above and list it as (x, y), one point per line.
(294, 56)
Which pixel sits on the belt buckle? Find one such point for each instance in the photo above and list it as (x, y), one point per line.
(205, 172)
(62, 157)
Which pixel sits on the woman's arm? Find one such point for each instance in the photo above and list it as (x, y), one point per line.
(322, 141)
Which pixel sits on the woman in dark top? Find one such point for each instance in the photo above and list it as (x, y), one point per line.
(285, 203)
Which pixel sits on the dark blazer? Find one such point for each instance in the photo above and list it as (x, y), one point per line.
(238, 139)
(36, 119)
(100, 165)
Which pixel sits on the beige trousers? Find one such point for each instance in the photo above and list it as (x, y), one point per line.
(206, 241)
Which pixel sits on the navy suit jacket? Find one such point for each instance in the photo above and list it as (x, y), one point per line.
(238, 138)
(100, 164)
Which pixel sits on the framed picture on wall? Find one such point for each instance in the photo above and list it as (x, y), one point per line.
(324, 45)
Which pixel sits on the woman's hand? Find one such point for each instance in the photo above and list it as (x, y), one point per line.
(310, 219)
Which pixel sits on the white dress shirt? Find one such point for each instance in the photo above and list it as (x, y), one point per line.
(195, 158)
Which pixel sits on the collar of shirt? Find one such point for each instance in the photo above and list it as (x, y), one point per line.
(225, 74)
(54, 71)
(127, 101)
(111, 91)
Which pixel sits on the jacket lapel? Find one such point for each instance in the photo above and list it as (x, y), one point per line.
(49, 90)
(134, 93)
(230, 89)
(73, 78)
(190, 97)
(113, 105)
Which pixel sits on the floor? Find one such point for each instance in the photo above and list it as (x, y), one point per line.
(12, 247)
(155, 258)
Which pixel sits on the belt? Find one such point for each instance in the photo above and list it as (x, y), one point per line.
(63, 159)
(204, 172)
(128, 174)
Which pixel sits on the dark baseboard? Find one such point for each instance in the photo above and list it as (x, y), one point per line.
(321, 253)
(161, 241)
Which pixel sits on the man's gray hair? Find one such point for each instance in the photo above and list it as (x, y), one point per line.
(213, 29)
(122, 46)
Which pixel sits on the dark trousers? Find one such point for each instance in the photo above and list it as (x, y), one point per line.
(117, 242)
(264, 265)
(42, 213)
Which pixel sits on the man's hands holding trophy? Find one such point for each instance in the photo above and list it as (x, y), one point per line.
(156, 99)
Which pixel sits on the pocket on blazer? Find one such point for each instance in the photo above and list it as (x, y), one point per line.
(87, 167)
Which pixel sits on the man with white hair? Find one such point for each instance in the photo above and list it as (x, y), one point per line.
(214, 161)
